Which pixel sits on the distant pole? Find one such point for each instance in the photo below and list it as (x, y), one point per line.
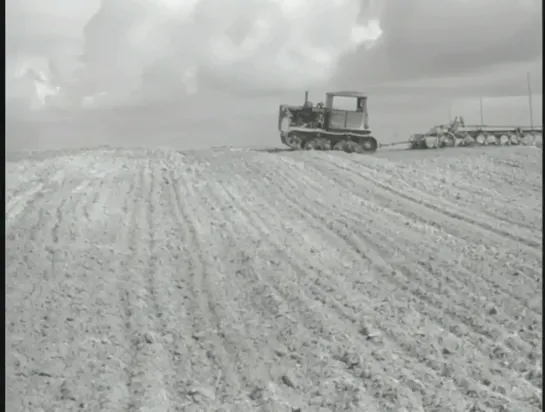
(481, 103)
(450, 113)
(530, 100)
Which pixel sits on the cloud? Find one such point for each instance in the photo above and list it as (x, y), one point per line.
(188, 62)
(430, 39)
(166, 48)
(46, 28)
(250, 45)
(128, 47)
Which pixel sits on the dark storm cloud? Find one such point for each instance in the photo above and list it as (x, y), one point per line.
(446, 38)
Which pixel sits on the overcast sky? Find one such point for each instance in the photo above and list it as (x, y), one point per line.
(418, 60)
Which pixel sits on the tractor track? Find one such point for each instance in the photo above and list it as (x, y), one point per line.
(299, 321)
(354, 220)
(273, 303)
(524, 267)
(407, 229)
(222, 378)
(308, 307)
(482, 225)
(149, 369)
(458, 187)
(52, 375)
(426, 208)
(30, 188)
(21, 329)
(179, 311)
(418, 292)
(326, 294)
(184, 307)
(226, 280)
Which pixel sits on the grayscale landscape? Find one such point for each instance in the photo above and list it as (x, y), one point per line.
(170, 247)
(239, 280)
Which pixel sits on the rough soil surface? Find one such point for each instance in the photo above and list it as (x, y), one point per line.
(238, 280)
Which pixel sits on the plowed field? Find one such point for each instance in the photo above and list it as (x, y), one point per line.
(239, 280)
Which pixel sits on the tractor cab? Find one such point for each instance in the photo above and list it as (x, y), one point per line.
(346, 111)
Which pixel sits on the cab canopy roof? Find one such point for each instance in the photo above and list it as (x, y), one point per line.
(346, 93)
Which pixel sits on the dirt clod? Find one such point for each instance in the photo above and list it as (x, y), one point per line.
(202, 391)
(149, 337)
(289, 379)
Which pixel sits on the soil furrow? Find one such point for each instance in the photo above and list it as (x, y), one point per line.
(241, 280)
(221, 379)
(56, 334)
(29, 305)
(498, 287)
(434, 209)
(270, 301)
(416, 272)
(226, 261)
(307, 280)
(185, 311)
(466, 194)
(168, 280)
(148, 364)
(359, 247)
(204, 278)
(311, 312)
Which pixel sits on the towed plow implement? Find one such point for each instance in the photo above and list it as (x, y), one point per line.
(458, 134)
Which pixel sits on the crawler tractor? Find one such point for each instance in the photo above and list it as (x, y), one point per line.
(325, 127)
